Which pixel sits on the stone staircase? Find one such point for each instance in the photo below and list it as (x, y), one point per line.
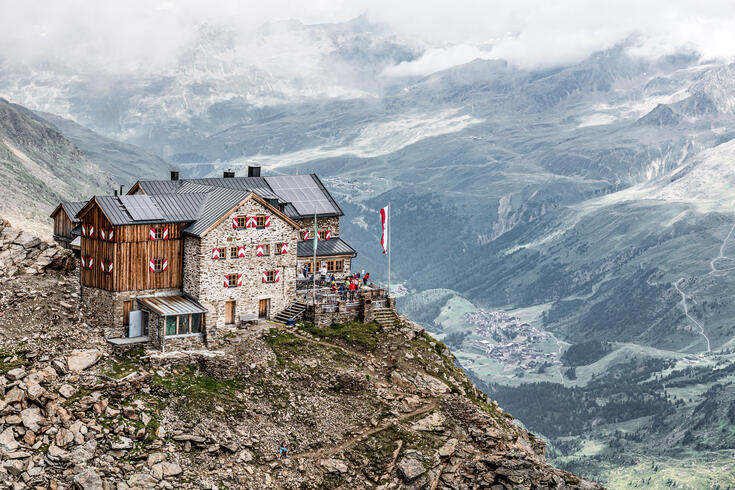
(294, 311)
(387, 317)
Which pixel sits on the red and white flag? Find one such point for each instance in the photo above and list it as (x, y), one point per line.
(384, 224)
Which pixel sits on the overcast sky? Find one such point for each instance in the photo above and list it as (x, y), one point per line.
(529, 33)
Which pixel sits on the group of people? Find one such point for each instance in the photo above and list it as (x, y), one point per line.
(350, 286)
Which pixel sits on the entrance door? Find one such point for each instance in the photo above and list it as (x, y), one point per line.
(263, 307)
(230, 312)
(135, 329)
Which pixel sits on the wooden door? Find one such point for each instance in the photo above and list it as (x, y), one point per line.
(263, 308)
(127, 307)
(230, 312)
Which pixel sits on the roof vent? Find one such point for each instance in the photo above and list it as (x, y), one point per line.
(253, 170)
(228, 174)
(174, 175)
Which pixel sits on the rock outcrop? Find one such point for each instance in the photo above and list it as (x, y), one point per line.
(356, 409)
(24, 253)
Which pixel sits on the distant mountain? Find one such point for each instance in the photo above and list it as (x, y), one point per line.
(594, 201)
(39, 167)
(123, 162)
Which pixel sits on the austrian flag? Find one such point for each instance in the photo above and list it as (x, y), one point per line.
(384, 225)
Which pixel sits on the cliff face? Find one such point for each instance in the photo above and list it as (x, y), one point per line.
(358, 407)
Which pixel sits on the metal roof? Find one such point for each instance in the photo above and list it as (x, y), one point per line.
(300, 195)
(324, 248)
(72, 208)
(172, 305)
(141, 207)
(171, 208)
(219, 201)
(305, 193)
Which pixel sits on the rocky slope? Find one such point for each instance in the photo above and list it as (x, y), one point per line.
(360, 407)
(39, 167)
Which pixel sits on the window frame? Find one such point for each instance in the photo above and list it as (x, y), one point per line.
(277, 251)
(270, 276)
(177, 325)
(333, 262)
(158, 265)
(241, 221)
(233, 252)
(230, 282)
(260, 221)
(266, 249)
(222, 252)
(158, 232)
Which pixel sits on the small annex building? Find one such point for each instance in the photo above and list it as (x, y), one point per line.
(177, 262)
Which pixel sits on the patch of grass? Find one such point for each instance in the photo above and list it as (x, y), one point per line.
(198, 389)
(125, 364)
(285, 345)
(10, 360)
(356, 333)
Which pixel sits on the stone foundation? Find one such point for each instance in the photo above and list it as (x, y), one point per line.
(364, 313)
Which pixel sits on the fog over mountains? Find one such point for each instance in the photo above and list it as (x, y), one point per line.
(592, 200)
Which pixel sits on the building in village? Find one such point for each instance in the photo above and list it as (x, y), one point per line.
(178, 261)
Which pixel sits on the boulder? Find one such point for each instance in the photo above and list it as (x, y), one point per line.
(165, 469)
(448, 448)
(88, 479)
(333, 465)
(15, 374)
(80, 360)
(411, 467)
(433, 421)
(31, 418)
(14, 467)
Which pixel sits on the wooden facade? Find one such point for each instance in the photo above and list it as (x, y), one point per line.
(130, 253)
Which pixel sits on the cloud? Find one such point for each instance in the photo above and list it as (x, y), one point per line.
(148, 34)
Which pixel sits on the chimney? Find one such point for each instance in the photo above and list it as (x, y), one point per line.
(121, 192)
(228, 174)
(116, 192)
(253, 170)
(174, 175)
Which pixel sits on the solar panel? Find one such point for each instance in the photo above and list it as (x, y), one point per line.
(303, 192)
(141, 208)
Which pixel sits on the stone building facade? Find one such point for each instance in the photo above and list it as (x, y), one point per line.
(204, 277)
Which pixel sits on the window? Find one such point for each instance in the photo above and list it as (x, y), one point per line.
(304, 235)
(158, 233)
(106, 266)
(159, 265)
(241, 221)
(263, 250)
(281, 248)
(260, 221)
(325, 234)
(219, 253)
(196, 323)
(184, 324)
(231, 280)
(337, 265)
(87, 262)
(170, 325)
(233, 252)
(270, 276)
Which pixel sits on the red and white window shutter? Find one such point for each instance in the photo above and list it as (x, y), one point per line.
(165, 233)
(259, 251)
(265, 276)
(277, 276)
(327, 235)
(164, 267)
(152, 234)
(90, 262)
(241, 251)
(109, 267)
(239, 279)
(234, 223)
(305, 235)
(83, 261)
(216, 254)
(151, 266)
(111, 236)
(227, 281)
(103, 235)
(91, 231)
(284, 248)
(84, 229)
(267, 221)
(251, 222)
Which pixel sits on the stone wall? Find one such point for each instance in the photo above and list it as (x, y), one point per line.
(331, 224)
(23, 253)
(204, 277)
(107, 307)
(364, 313)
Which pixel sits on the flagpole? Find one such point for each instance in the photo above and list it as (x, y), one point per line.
(313, 264)
(389, 227)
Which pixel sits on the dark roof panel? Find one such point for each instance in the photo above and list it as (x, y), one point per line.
(324, 248)
(72, 208)
(305, 193)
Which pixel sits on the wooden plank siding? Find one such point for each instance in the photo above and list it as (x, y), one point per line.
(62, 224)
(130, 252)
